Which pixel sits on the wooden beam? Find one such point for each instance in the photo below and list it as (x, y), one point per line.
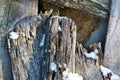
(94, 7)
(112, 49)
(10, 11)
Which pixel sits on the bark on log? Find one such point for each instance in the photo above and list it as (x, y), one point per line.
(112, 49)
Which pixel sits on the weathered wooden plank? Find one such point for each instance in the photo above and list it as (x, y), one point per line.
(39, 45)
(25, 51)
(96, 7)
(15, 10)
(10, 11)
(62, 44)
(112, 49)
(88, 67)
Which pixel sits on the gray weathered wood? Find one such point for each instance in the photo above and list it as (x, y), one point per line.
(88, 68)
(96, 7)
(25, 51)
(39, 44)
(10, 11)
(112, 49)
(62, 44)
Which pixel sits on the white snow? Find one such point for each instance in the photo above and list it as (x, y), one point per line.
(64, 65)
(60, 18)
(71, 76)
(65, 74)
(74, 0)
(115, 77)
(63, 17)
(105, 71)
(42, 41)
(45, 50)
(92, 55)
(53, 67)
(49, 50)
(14, 35)
(39, 16)
(96, 51)
(59, 28)
(14, 75)
(75, 76)
(60, 66)
(44, 62)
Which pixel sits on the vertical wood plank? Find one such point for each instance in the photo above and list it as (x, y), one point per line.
(10, 12)
(63, 43)
(112, 49)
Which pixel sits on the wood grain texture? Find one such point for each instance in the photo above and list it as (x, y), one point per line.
(112, 49)
(63, 43)
(10, 12)
(96, 7)
(25, 51)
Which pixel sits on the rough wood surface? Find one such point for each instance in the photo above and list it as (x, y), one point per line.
(41, 43)
(85, 22)
(62, 43)
(29, 57)
(96, 7)
(24, 51)
(88, 68)
(112, 49)
(10, 11)
(14, 10)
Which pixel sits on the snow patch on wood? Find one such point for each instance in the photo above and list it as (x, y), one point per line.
(14, 35)
(59, 28)
(92, 55)
(115, 77)
(53, 66)
(60, 17)
(42, 41)
(71, 76)
(105, 72)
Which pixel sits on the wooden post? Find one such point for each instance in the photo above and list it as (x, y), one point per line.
(10, 11)
(27, 49)
(112, 48)
(62, 43)
(73, 47)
